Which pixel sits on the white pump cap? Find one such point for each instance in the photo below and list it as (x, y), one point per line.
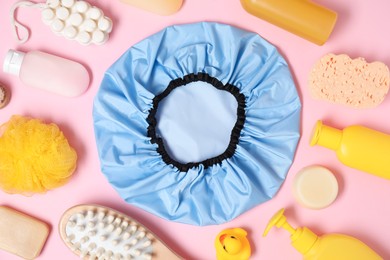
(13, 62)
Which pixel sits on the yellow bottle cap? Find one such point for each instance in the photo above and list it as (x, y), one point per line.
(302, 238)
(279, 220)
(326, 136)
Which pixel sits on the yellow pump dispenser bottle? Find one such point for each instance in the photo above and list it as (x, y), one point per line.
(330, 246)
(357, 147)
(301, 17)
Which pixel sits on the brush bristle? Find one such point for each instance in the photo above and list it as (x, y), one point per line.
(97, 234)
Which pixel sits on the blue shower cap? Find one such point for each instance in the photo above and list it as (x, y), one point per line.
(197, 123)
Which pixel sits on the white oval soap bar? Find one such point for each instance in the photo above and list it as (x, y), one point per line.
(315, 187)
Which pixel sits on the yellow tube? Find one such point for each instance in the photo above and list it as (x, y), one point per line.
(301, 17)
(357, 147)
(161, 7)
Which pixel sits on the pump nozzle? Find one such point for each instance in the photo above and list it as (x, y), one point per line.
(279, 220)
(301, 238)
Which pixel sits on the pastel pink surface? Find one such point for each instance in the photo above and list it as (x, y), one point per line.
(362, 208)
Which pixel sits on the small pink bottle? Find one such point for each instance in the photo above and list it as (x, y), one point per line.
(48, 72)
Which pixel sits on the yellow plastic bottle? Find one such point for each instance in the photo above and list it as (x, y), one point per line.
(301, 17)
(326, 247)
(161, 7)
(356, 146)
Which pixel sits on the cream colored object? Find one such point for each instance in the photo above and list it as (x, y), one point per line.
(161, 7)
(315, 187)
(77, 20)
(97, 232)
(351, 82)
(21, 234)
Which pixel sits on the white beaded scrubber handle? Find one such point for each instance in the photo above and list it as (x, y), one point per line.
(74, 19)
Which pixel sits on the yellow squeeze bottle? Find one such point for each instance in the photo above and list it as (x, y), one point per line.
(301, 17)
(326, 247)
(357, 147)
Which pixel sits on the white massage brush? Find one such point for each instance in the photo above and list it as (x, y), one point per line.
(97, 232)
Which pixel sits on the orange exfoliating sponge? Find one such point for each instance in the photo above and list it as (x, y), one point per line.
(352, 82)
(34, 156)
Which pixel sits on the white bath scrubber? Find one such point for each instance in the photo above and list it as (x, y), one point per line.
(73, 19)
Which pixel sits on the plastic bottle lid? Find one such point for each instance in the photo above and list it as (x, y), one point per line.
(13, 62)
(315, 187)
(279, 220)
(326, 136)
(303, 239)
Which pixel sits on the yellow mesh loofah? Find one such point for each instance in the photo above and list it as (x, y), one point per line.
(34, 157)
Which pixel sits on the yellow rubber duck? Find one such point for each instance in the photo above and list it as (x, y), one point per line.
(232, 244)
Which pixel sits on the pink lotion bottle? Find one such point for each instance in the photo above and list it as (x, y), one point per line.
(48, 72)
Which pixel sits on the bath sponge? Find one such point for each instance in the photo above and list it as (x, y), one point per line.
(351, 82)
(34, 156)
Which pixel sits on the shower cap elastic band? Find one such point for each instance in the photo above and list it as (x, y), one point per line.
(221, 69)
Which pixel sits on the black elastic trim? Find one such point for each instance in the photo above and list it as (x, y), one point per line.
(234, 137)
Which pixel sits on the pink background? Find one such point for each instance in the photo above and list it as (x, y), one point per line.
(362, 208)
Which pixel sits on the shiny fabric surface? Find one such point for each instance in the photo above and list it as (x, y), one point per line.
(267, 141)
